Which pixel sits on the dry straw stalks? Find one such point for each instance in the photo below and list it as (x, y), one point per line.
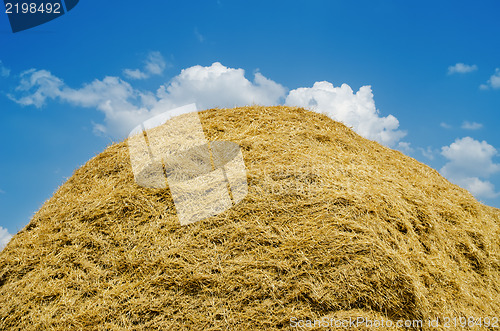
(334, 226)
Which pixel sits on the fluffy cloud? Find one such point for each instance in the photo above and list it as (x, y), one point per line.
(461, 68)
(471, 125)
(37, 86)
(479, 188)
(219, 86)
(124, 106)
(121, 104)
(493, 82)
(445, 125)
(405, 147)
(5, 237)
(198, 35)
(428, 152)
(354, 109)
(155, 65)
(470, 160)
(4, 71)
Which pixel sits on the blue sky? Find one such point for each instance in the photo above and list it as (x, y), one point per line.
(417, 76)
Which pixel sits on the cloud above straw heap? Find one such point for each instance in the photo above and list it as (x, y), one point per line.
(121, 104)
(220, 86)
(493, 82)
(354, 109)
(154, 65)
(469, 163)
(5, 237)
(445, 125)
(125, 106)
(4, 71)
(471, 125)
(461, 68)
(428, 152)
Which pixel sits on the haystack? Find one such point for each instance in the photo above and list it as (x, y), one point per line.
(334, 227)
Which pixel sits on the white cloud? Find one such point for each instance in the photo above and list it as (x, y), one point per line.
(135, 74)
(4, 71)
(355, 110)
(219, 86)
(404, 147)
(154, 65)
(5, 237)
(117, 99)
(461, 68)
(198, 35)
(471, 125)
(469, 160)
(47, 86)
(468, 156)
(479, 188)
(428, 152)
(124, 106)
(493, 82)
(445, 125)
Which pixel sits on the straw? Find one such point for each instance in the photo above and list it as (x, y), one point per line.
(333, 226)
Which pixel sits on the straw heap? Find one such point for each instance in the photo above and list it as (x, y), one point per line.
(334, 226)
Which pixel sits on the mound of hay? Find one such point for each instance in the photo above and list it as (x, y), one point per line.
(333, 226)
